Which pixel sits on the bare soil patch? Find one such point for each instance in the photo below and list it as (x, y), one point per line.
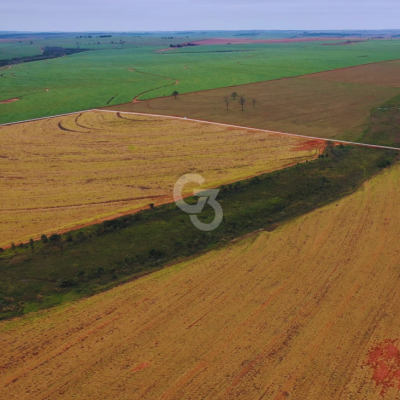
(10, 100)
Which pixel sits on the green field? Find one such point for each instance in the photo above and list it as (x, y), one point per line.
(103, 77)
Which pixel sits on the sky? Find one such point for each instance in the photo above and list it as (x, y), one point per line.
(173, 15)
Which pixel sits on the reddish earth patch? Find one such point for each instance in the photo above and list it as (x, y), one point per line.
(312, 145)
(385, 360)
(10, 100)
(140, 367)
(244, 41)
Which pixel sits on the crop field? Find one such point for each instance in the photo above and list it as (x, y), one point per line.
(308, 311)
(335, 104)
(67, 171)
(110, 76)
(10, 50)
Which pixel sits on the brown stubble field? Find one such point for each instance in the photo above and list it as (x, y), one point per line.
(64, 172)
(308, 311)
(334, 104)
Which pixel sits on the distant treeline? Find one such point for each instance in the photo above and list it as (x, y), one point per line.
(183, 45)
(247, 34)
(48, 52)
(333, 34)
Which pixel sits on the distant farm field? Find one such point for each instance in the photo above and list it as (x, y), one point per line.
(308, 311)
(334, 104)
(110, 76)
(67, 171)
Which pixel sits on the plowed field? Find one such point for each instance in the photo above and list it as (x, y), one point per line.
(309, 311)
(68, 171)
(335, 104)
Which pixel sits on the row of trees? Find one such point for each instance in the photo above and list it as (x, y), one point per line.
(242, 100)
(227, 99)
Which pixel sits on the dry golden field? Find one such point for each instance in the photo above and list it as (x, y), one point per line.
(309, 311)
(63, 172)
(334, 104)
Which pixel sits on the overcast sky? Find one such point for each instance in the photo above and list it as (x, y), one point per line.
(150, 15)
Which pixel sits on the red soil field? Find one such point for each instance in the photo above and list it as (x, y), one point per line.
(385, 360)
(383, 74)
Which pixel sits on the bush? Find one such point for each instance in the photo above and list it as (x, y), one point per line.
(384, 163)
(156, 253)
(64, 283)
(55, 238)
(44, 239)
(80, 237)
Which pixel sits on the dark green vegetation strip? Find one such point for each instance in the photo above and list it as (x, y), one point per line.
(48, 53)
(86, 261)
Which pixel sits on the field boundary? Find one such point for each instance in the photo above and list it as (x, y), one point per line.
(49, 117)
(204, 90)
(271, 80)
(253, 129)
(207, 122)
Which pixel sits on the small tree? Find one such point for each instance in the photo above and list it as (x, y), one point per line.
(242, 102)
(151, 206)
(234, 95)
(32, 244)
(254, 102)
(226, 99)
(175, 94)
(44, 239)
(55, 238)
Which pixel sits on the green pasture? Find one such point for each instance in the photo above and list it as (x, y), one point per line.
(103, 77)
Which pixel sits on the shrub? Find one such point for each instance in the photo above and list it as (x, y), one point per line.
(384, 163)
(80, 237)
(55, 238)
(64, 283)
(156, 253)
(44, 239)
